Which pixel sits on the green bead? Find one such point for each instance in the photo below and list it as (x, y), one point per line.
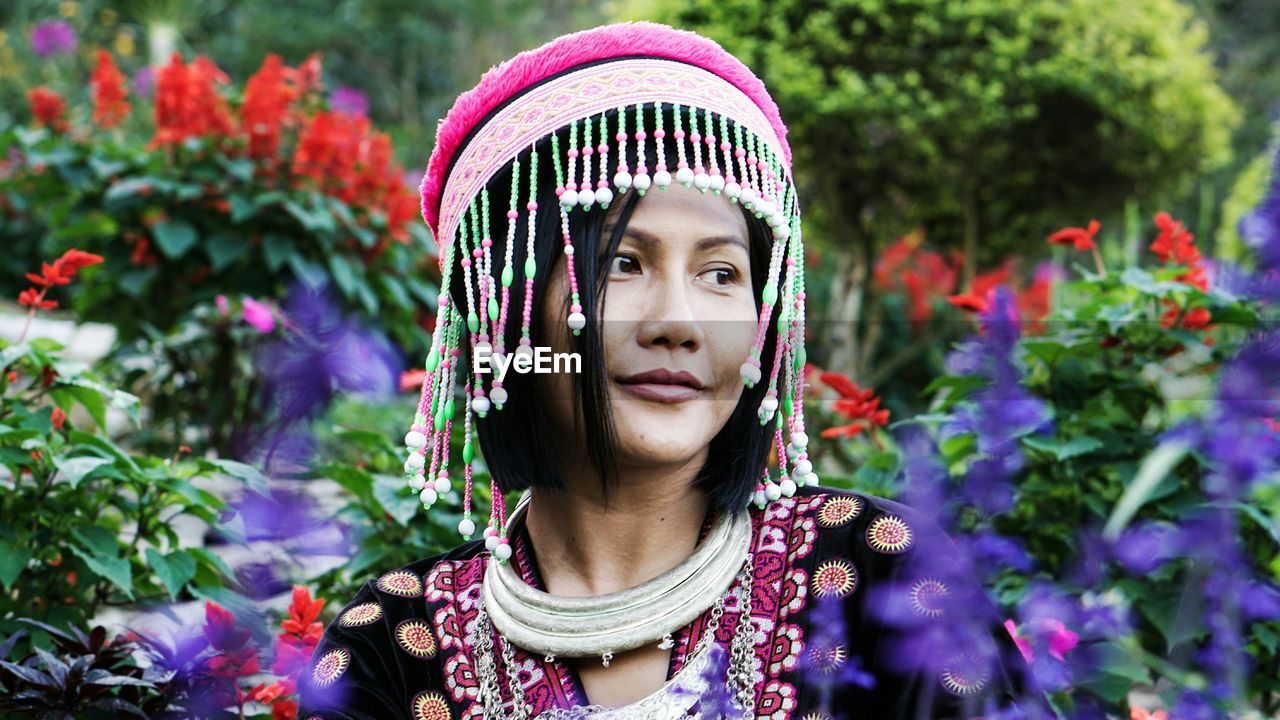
(449, 408)
(800, 358)
(779, 423)
(782, 323)
(468, 454)
(473, 321)
(493, 309)
(508, 276)
(433, 359)
(439, 421)
(770, 294)
(788, 405)
(530, 267)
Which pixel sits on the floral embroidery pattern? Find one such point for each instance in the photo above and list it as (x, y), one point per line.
(889, 534)
(415, 638)
(400, 582)
(361, 614)
(839, 510)
(331, 666)
(927, 596)
(835, 577)
(827, 660)
(964, 675)
(430, 706)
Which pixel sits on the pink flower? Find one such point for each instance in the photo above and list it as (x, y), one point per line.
(224, 306)
(259, 315)
(1024, 646)
(1061, 640)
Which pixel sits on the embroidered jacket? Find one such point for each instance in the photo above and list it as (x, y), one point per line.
(914, 623)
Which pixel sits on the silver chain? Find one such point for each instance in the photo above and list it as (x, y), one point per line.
(742, 672)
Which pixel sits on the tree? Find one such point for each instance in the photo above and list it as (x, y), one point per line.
(988, 122)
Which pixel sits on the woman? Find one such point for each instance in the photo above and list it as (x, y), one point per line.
(640, 179)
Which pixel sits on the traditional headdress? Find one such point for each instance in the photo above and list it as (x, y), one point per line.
(586, 103)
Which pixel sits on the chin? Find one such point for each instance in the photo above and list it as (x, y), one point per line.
(664, 432)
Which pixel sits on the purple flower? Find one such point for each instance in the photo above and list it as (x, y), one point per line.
(718, 701)
(1144, 548)
(53, 37)
(348, 101)
(144, 81)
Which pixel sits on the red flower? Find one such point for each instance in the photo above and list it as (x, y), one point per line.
(1174, 243)
(48, 108)
(921, 274)
(59, 417)
(860, 407)
(108, 83)
(1081, 238)
(411, 380)
(33, 299)
(328, 148)
(971, 302)
(268, 97)
(303, 612)
(187, 102)
(220, 628)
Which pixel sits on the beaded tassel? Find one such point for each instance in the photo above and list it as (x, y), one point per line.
(701, 180)
(576, 319)
(641, 181)
(530, 265)
(604, 195)
(661, 177)
(499, 394)
(622, 178)
(684, 175)
(716, 181)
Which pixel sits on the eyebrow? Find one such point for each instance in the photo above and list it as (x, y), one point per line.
(644, 237)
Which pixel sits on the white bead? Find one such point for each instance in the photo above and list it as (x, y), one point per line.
(811, 479)
(765, 208)
(414, 463)
(499, 395)
(503, 551)
(750, 373)
(799, 439)
(526, 350)
(641, 182)
(717, 183)
(428, 496)
(772, 491)
(783, 232)
(569, 198)
(758, 498)
(568, 250)
(587, 198)
(443, 485)
(777, 219)
(604, 195)
(768, 405)
(480, 405)
(577, 321)
(732, 189)
(684, 176)
(662, 178)
(788, 487)
(747, 197)
(417, 482)
(466, 526)
(490, 542)
(622, 180)
(804, 467)
(702, 181)
(415, 440)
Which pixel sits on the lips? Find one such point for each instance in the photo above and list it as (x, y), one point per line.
(665, 386)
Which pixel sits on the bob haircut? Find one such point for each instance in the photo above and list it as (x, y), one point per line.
(519, 447)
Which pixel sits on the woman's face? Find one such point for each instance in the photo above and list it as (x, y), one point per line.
(678, 298)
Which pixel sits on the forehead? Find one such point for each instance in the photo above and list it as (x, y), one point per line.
(684, 213)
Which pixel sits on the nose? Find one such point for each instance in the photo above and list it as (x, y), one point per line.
(670, 315)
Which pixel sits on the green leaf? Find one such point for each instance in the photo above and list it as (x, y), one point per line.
(77, 468)
(1155, 466)
(207, 558)
(13, 560)
(343, 274)
(174, 237)
(99, 540)
(390, 492)
(276, 250)
(225, 248)
(1062, 449)
(116, 570)
(250, 475)
(241, 168)
(242, 208)
(174, 570)
(309, 272)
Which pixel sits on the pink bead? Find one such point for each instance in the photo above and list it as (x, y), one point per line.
(525, 341)
(602, 184)
(575, 308)
(466, 262)
(486, 242)
(531, 206)
(444, 301)
(571, 185)
(739, 153)
(640, 135)
(659, 133)
(682, 165)
(602, 149)
(711, 141)
(695, 138)
(679, 134)
(620, 137)
(484, 337)
(791, 261)
(724, 145)
(512, 214)
(559, 191)
(476, 253)
(573, 152)
(588, 151)
(800, 295)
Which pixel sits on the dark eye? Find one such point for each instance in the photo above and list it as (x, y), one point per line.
(629, 264)
(726, 276)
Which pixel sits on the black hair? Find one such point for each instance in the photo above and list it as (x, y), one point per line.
(519, 446)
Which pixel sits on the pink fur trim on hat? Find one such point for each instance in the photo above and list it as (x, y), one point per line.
(600, 43)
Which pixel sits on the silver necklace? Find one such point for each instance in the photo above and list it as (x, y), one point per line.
(742, 674)
(603, 625)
